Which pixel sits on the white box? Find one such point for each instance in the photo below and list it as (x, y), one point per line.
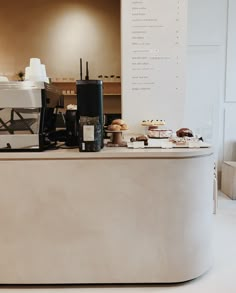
(228, 179)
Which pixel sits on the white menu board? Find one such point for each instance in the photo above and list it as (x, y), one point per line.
(153, 61)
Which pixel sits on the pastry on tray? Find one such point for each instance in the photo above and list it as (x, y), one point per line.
(184, 132)
(140, 138)
(114, 127)
(118, 121)
(124, 127)
(117, 125)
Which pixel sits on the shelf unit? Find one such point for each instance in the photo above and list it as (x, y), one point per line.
(111, 94)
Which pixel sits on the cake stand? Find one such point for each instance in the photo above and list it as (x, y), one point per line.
(116, 139)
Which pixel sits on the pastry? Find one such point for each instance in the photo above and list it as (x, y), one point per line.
(182, 132)
(114, 127)
(142, 138)
(124, 127)
(132, 139)
(182, 141)
(118, 122)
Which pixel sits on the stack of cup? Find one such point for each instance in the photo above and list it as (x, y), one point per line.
(27, 73)
(36, 71)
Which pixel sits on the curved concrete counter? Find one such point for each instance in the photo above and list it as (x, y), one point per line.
(107, 153)
(117, 216)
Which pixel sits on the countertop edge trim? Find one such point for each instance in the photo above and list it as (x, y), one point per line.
(105, 158)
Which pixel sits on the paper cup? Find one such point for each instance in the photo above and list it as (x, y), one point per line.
(43, 68)
(27, 73)
(35, 62)
(35, 67)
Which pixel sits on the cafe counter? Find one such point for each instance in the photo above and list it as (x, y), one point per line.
(117, 216)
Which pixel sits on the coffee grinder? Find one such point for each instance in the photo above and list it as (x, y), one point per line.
(90, 112)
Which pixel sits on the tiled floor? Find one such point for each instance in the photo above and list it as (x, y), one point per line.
(220, 279)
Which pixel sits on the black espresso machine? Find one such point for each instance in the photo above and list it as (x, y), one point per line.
(28, 115)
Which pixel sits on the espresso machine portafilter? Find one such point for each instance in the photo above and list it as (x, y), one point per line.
(72, 133)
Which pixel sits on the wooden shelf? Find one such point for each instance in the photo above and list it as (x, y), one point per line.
(111, 94)
(112, 88)
(74, 95)
(68, 80)
(109, 88)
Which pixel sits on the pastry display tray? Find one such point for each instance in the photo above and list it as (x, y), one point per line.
(153, 143)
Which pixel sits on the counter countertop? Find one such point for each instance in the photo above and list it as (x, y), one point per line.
(107, 153)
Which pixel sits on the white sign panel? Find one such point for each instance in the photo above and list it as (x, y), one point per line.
(153, 61)
(231, 56)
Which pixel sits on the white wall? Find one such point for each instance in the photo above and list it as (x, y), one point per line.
(231, 56)
(229, 138)
(211, 84)
(60, 32)
(207, 21)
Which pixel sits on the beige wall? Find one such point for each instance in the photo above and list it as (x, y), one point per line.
(59, 32)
